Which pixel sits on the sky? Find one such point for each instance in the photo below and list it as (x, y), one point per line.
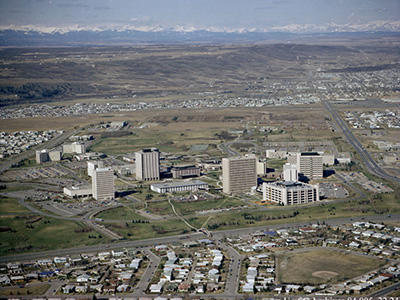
(195, 14)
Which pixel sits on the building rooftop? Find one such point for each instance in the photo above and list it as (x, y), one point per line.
(309, 154)
(178, 183)
(289, 184)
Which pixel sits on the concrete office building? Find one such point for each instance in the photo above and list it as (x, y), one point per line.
(183, 186)
(42, 156)
(148, 164)
(55, 155)
(290, 193)
(310, 165)
(239, 175)
(261, 167)
(185, 171)
(103, 184)
(92, 166)
(45, 155)
(290, 172)
(75, 147)
(78, 191)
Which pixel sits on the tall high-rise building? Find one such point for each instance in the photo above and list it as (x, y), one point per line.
(239, 175)
(310, 165)
(290, 172)
(103, 184)
(93, 165)
(148, 164)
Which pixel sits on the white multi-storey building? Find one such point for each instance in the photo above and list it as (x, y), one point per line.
(239, 174)
(290, 193)
(290, 172)
(148, 164)
(103, 184)
(92, 166)
(75, 147)
(310, 165)
(169, 187)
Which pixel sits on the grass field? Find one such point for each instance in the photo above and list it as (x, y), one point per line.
(120, 213)
(137, 231)
(44, 234)
(37, 290)
(11, 206)
(187, 208)
(317, 266)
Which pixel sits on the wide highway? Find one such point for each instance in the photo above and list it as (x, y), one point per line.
(368, 161)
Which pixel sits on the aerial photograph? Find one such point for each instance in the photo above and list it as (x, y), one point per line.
(200, 149)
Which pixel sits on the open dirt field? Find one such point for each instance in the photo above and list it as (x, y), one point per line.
(318, 265)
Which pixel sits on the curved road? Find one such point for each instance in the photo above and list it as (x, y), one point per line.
(368, 161)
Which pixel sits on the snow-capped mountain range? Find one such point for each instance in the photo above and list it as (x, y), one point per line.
(17, 35)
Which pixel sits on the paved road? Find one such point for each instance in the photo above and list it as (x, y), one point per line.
(148, 274)
(225, 147)
(232, 278)
(368, 161)
(186, 237)
(385, 291)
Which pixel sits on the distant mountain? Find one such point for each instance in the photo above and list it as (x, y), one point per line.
(70, 37)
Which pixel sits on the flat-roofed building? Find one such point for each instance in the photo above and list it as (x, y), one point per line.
(55, 155)
(290, 193)
(75, 147)
(261, 167)
(290, 172)
(181, 186)
(42, 156)
(78, 191)
(185, 171)
(148, 164)
(310, 165)
(239, 174)
(93, 165)
(103, 184)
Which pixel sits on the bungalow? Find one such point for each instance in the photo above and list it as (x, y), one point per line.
(354, 245)
(292, 288)
(155, 288)
(161, 248)
(4, 280)
(200, 289)
(81, 289)
(83, 278)
(248, 287)
(309, 289)
(183, 287)
(109, 289)
(17, 278)
(135, 263)
(117, 253)
(122, 288)
(69, 288)
(96, 288)
(60, 260)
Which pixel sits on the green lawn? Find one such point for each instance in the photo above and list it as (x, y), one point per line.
(317, 266)
(11, 206)
(187, 208)
(137, 231)
(160, 208)
(120, 213)
(45, 234)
